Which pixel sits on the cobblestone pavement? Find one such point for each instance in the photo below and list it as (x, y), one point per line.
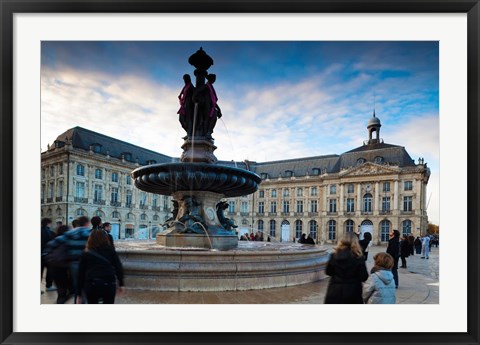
(418, 284)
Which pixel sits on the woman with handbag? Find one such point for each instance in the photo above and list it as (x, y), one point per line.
(99, 269)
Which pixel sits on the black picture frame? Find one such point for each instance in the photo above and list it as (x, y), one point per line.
(7, 175)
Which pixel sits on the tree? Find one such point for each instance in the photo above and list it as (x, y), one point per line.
(433, 229)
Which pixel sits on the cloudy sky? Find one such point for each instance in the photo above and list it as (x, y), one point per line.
(279, 100)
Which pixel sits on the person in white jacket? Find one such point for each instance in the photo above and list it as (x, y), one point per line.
(380, 286)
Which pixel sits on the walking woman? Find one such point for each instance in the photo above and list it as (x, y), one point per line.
(347, 270)
(99, 269)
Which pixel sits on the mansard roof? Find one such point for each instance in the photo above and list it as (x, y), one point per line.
(82, 139)
(378, 153)
(297, 167)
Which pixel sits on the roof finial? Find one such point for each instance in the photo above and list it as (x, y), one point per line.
(374, 96)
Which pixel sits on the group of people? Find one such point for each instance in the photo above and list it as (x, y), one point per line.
(305, 239)
(81, 261)
(258, 236)
(350, 281)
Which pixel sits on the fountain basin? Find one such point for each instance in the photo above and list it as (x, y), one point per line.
(168, 178)
(253, 265)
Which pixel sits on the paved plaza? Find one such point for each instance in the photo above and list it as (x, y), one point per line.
(418, 284)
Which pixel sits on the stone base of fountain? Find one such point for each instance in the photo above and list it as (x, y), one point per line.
(253, 265)
(172, 239)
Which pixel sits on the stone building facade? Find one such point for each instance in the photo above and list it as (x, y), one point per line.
(375, 187)
(87, 173)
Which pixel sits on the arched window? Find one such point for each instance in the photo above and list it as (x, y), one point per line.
(312, 226)
(332, 229)
(349, 225)
(143, 216)
(116, 214)
(406, 227)
(130, 216)
(272, 228)
(360, 161)
(81, 212)
(80, 170)
(260, 225)
(298, 228)
(384, 230)
(99, 213)
(155, 217)
(367, 202)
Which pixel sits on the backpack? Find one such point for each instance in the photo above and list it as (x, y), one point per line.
(58, 257)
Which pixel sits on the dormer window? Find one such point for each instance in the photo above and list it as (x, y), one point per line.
(316, 171)
(96, 147)
(127, 156)
(151, 161)
(288, 173)
(379, 160)
(264, 176)
(360, 161)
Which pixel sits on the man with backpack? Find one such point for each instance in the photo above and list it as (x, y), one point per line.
(72, 244)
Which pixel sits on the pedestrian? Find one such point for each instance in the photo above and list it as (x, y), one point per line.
(393, 249)
(425, 247)
(346, 267)
(75, 241)
(61, 275)
(310, 240)
(404, 251)
(99, 270)
(411, 241)
(366, 243)
(252, 237)
(268, 239)
(303, 239)
(380, 286)
(96, 223)
(418, 245)
(107, 227)
(46, 236)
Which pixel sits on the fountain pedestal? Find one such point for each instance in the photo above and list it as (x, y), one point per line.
(196, 223)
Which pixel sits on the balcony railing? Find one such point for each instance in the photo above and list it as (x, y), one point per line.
(272, 214)
(298, 214)
(143, 206)
(129, 204)
(312, 214)
(156, 208)
(261, 214)
(82, 200)
(285, 214)
(367, 212)
(331, 213)
(59, 198)
(49, 200)
(385, 212)
(244, 214)
(115, 203)
(402, 212)
(99, 202)
(230, 213)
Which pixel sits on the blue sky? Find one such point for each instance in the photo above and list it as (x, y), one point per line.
(279, 99)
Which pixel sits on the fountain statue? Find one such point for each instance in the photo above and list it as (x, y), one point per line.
(198, 183)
